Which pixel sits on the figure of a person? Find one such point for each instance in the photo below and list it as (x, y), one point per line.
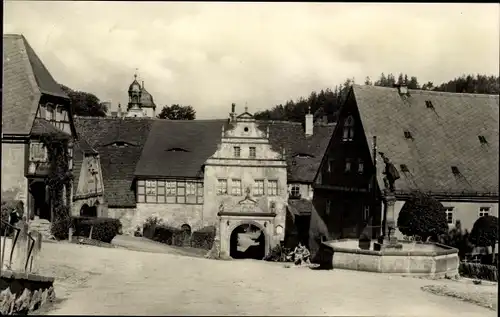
(390, 172)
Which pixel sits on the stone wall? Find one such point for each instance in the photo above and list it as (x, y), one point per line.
(126, 216)
(22, 293)
(174, 215)
(14, 183)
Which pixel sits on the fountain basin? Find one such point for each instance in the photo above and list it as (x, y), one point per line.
(432, 260)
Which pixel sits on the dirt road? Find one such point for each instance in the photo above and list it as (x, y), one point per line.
(141, 283)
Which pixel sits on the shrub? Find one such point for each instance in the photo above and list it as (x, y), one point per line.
(7, 207)
(278, 254)
(203, 238)
(149, 226)
(422, 216)
(485, 232)
(61, 222)
(458, 239)
(168, 235)
(103, 229)
(479, 271)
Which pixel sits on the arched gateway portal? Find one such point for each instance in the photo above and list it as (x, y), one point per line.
(247, 241)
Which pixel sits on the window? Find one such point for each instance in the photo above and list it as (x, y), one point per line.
(482, 139)
(70, 158)
(295, 191)
(50, 114)
(348, 129)
(455, 170)
(236, 187)
(252, 151)
(347, 165)
(327, 207)
(170, 191)
(171, 187)
(222, 187)
(366, 213)
(449, 214)
(258, 188)
(484, 211)
(237, 151)
(404, 168)
(272, 188)
(408, 135)
(38, 152)
(361, 166)
(428, 104)
(330, 165)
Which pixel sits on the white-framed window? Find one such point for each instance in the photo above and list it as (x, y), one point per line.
(347, 165)
(236, 187)
(295, 190)
(258, 187)
(222, 187)
(252, 152)
(190, 188)
(38, 152)
(484, 211)
(272, 188)
(366, 212)
(348, 134)
(449, 215)
(50, 113)
(171, 188)
(361, 166)
(237, 151)
(328, 205)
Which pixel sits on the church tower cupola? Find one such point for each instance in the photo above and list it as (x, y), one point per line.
(134, 93)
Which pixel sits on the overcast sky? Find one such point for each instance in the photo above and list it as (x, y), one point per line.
(209, 55)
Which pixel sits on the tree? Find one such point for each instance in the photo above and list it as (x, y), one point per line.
(459, 239)
(422, 216)
(84, 103)
(368, 82)
(177, 112)
(485, 233)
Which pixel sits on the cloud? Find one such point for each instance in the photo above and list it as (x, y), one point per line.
(209, 55)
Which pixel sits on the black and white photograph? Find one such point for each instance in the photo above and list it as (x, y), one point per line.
(250, 158)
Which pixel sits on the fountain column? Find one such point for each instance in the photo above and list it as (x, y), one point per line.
(390, 241)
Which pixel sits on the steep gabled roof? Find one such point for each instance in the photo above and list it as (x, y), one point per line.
(25, 80)
(444, 135)
(291, 136)
(117, 163)
(42, 127)
(179, 148)
(146, 99)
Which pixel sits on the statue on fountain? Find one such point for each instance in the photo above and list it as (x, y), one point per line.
(390, 172)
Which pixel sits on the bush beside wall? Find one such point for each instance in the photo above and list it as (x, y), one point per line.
(104, 229)
(203, 238)
(478, 271)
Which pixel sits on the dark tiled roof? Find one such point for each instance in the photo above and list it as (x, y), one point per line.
(147, 99)
(291, 136)
(42, 127)
(300, 207)
(444, 136)
(25, 79)
(117, 163)
(199, 139)
(84, 146)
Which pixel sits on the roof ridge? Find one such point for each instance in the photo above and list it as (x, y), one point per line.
(16, 35)
(278, 121)
(431, 92)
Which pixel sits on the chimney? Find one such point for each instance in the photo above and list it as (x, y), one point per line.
(119, 113)
(232, 115)
(309, 125)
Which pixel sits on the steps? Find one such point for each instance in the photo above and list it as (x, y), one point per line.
(42, 226)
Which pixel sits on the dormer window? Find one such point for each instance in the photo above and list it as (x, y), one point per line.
(429, 104)
(455, 170)
(404, 168)
(348, 134)
(408, 135)
(120, 144)
(303, 155)
(482, 139)
(177, 149)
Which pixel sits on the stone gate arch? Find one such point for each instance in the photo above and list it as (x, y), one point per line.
(261, 225)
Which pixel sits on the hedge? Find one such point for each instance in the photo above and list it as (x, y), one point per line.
(104, 229)
(203, 238)
(168, 235)
(478, 271)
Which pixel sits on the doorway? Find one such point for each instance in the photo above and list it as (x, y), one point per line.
(39, 200)
(247, 241)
